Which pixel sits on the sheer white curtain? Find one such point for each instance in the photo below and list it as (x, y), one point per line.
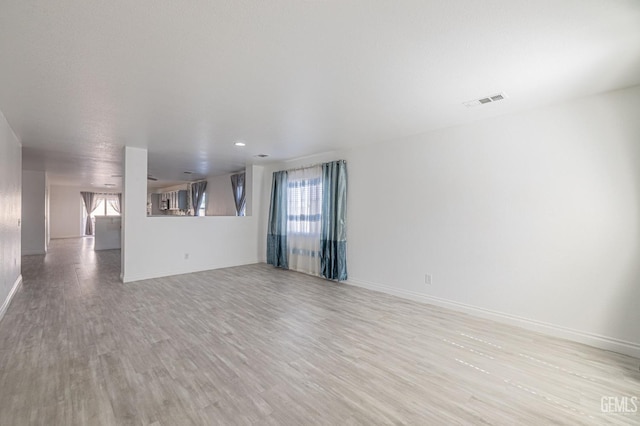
(304, 219)
(114, 201)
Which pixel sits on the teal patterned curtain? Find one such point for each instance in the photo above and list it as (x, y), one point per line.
(197, 194)
(239, 193)
(277, 232)
(333, 243)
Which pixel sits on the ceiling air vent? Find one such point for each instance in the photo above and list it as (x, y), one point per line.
(487, 100)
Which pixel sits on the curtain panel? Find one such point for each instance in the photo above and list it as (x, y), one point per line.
(239, 193)
(116, 202)
(304, 218)
(90, 204)
(307, 220)
(277, 232)
(333, 242)
(197, 193)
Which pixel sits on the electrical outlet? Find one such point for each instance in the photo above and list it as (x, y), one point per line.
(186, 256)
(428, 279)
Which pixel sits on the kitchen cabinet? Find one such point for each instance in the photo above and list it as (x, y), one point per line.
(174, 200)
(107, 233)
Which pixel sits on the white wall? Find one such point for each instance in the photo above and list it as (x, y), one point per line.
(47, 211)
(34, 216)
(180, 187)
(67, 211)
(220, 201)
(156, 246)
(66, 207)
(531, 218)
(10, 211)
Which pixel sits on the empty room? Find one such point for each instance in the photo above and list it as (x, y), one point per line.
(319, 212)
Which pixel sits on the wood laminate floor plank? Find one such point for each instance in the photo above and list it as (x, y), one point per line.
(257, 345)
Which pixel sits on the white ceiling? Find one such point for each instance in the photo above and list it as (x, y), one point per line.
(185, 79)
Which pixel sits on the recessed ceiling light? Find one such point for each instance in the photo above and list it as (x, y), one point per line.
(240, 143)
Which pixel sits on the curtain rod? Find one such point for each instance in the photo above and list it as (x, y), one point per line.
(313, 165)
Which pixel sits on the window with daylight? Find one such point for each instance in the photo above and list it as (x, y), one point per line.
(304, 219)
(202, 210)
(107, 205)
(102, 204)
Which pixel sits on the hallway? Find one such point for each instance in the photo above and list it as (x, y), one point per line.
(54, 329)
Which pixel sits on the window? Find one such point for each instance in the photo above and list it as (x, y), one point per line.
(304, 219)
(107, 205)
(110, 206)
(202, 210)
(305, 205)
(100, 209)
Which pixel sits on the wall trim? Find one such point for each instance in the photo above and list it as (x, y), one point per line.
(131, 278)
(7, 302)
(591, 339)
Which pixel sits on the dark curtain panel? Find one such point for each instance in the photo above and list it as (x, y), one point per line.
(90, 204)
(277, 227)
(239, 193)
(197, 192)
(333, 240)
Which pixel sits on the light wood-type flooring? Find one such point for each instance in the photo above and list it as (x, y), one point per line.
(257, 345)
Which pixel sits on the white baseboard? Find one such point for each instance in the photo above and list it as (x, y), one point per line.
(129, 278)
(591, 339)
(7, 302)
